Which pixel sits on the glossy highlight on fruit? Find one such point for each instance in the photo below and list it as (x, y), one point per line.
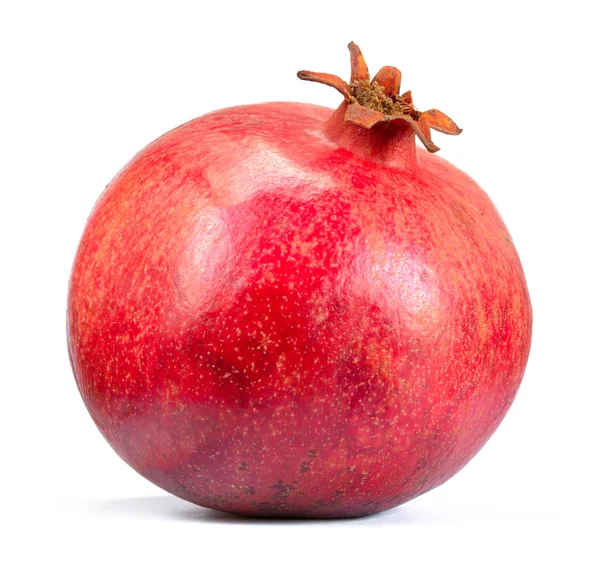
(285, 310)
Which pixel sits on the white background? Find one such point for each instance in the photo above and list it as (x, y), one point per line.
(85, 85)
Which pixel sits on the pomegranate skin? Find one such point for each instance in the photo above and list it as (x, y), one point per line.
(264, 319)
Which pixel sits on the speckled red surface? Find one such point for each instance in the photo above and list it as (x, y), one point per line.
(263, 319)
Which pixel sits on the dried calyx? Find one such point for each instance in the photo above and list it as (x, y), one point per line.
(379, 100)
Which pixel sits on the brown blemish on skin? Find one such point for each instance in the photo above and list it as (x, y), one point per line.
(282, 489)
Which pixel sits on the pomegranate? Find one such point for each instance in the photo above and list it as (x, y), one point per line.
(286, 310)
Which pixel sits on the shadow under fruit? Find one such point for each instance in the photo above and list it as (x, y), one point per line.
(285, 310)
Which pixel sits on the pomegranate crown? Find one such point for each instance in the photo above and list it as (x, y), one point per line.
(379, 100)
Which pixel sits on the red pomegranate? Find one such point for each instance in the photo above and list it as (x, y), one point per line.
(285, 310)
